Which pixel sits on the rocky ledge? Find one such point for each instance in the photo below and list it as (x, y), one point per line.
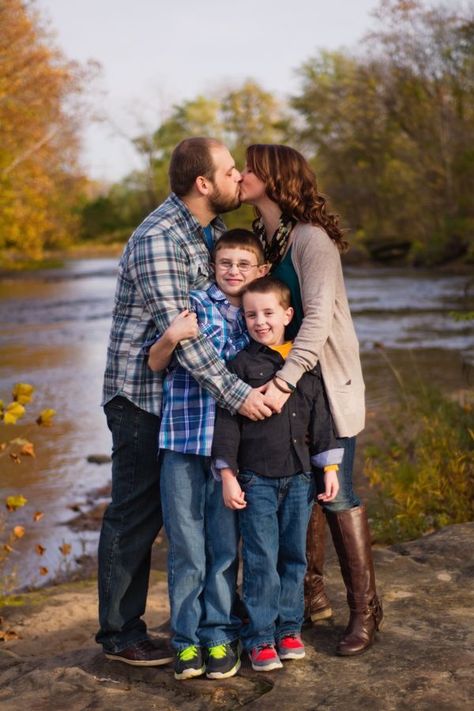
(423, 658)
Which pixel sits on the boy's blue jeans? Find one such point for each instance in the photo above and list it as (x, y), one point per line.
(273, 528)
(202, 559)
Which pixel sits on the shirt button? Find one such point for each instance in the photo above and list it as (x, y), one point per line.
(295, 441)
(293, 414)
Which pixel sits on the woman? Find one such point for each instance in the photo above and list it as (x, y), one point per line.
(303, 243)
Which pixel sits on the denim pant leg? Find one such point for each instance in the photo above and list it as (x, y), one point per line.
(219, 625)
(260, 537)
(346, 498)
(130, 525)
(296, 495)
(183, 494)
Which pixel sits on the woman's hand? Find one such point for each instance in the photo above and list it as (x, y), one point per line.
(275, 398)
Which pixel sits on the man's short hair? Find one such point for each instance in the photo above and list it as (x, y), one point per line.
(190, 159)
(270, 285)
(239, 238)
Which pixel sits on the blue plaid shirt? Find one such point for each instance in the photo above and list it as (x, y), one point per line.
(187, 423)
(165, 258)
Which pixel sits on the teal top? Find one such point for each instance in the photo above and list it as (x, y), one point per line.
(285, 271)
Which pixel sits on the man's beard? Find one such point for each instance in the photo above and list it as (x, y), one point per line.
(219, 204)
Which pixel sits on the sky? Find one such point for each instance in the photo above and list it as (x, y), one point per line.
(156, 53)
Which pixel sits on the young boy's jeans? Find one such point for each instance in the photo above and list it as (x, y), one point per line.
(273, 528)
(202, 559)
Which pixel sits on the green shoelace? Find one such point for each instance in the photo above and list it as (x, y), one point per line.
(185, 655)
(218, 652)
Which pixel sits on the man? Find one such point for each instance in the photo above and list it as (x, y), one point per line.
(166, 257)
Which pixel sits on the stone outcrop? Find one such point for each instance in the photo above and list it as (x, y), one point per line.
(423, 658)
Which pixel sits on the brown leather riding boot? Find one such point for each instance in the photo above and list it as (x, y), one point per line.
(316, 604)
(351, 537)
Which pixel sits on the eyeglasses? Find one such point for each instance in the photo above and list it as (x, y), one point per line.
(225, 265)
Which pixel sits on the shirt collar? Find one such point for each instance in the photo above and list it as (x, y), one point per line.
(255, 348)
(217, 223)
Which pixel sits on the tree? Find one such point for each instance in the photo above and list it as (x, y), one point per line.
(39, 134)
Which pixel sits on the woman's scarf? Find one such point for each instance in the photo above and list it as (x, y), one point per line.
(276, 247)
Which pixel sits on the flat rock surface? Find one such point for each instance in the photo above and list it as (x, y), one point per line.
(423, 658)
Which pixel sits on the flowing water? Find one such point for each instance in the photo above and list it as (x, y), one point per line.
(53, 332)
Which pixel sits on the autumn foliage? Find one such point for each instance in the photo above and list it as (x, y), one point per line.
(39, 174)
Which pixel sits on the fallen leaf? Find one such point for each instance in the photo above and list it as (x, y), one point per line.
(19, 531)
(43, 571)
(39, 549)
(38, 515)
(28, 450)
(15, 410)
(65, 548)
(3, 446)
(15, 458)
(8, 635)
(15, 502)
(22, 393)
(7, 548)
(46, 417)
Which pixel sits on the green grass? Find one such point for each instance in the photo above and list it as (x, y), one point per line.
(422, 472)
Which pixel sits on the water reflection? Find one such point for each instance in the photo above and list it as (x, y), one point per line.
(54, 327)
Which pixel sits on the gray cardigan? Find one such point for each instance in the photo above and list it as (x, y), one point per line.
(327, 333)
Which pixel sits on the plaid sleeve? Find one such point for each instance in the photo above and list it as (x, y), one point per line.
(160, 270)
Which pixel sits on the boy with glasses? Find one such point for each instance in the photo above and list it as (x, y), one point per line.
(202, 533)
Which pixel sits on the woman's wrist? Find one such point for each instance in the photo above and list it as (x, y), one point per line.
(288, 389)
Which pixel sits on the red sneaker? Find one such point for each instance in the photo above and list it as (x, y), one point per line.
(291, 647)
(264, 658)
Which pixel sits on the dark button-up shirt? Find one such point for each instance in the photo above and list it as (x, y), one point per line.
(278, 445)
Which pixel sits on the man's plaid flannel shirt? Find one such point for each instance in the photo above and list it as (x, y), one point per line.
(165, 258)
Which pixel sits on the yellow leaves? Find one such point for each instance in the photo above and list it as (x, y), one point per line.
(13, 412)
(19, 531)
(45, 418)
(28, 450)
(15, 502)
(43, 570)
(37, 516)
(39, 549)
(7, 548)
(22, 393)
(65, 548)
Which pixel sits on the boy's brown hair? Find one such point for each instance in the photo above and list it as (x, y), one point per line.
(270, 285)
(241, 239)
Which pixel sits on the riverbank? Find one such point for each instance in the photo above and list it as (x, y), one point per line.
(423, 659)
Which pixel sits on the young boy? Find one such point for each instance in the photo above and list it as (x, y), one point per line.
(202, 532)
(265, 468)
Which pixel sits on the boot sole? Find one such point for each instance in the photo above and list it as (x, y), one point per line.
(322, 615)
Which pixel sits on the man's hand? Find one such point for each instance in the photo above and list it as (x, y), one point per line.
(274, 398)
(255, 406)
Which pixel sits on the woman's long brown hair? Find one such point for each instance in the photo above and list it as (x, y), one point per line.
(290, 182)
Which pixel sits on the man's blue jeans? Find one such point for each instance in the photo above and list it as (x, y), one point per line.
(131, 524)
(202, 559)
(346, 498)
(273, 528)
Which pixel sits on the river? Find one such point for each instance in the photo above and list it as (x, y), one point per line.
(53, 332)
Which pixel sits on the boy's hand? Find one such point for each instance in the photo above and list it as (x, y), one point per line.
(183, 326)
(255, 406)
(234, 497)
(331, 485)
